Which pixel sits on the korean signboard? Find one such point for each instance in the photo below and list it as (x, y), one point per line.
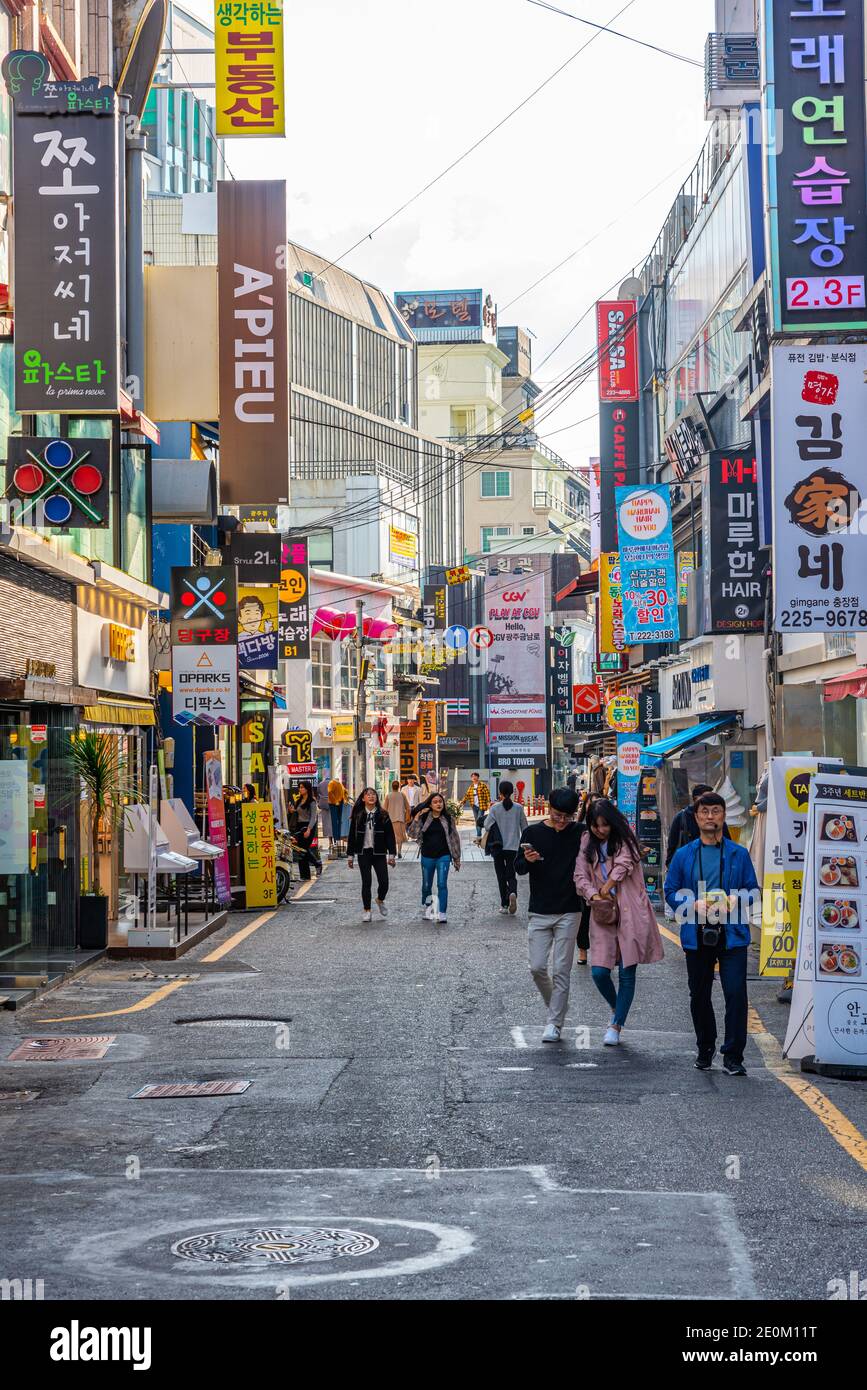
(461, 574)
(782, 882)
(819, 423)
(260, 859)
(439, 315)
(252, 311)
(204, 634)
(204, 606)
(617, 336)
(517, 708)
(629, 748)
(734, 583)
(622, 713)
(403, 547)
(611, 637)
(205, 684)
(587, 716)
(67, 246)
(256, 557)
(685, 567)
(648, 577)
(258, 624)
(434, 608)
(408, 751)
(618, 463)
(343, 730)
(59, 482)
(833, 939)
(248, 44)
(427, 737)
(561, 684)
(294, 643)
(816, 176)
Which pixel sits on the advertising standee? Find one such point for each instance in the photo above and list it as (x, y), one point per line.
(647, 564)
(517, 697)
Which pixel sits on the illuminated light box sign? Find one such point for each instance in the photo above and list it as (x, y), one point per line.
(59, 482)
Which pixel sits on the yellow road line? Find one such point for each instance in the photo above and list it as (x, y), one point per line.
(669, 935)
(239, 936)
(840, 1128)
(146, 1003)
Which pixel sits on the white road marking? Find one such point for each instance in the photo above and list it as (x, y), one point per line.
(518, 1038)
(515, 1068)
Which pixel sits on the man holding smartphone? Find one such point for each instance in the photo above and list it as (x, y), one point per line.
(547, 853)
(710, 886)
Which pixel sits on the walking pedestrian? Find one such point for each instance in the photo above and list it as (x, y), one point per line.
(711, 887)
(336, 798)
(623, 929)
(504, 825)
(478, 797)
(305, 829)
(371, 838)
(684, 827)
(439, 849)
(547, 853)
(398, 810)
(412, 791)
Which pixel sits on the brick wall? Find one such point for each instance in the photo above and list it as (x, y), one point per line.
(37, 619)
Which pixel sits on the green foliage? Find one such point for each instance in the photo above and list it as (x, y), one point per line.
(97, 759)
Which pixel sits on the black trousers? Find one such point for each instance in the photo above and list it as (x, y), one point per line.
(733, 978)
(504, 865)
(370, 864)
(582, 941)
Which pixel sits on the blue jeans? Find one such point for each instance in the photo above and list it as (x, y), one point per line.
(336, 818)
(620, 999)
(440, 867)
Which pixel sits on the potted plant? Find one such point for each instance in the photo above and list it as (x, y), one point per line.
(97, 759)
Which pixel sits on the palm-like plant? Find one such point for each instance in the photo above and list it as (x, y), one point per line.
(97, 758)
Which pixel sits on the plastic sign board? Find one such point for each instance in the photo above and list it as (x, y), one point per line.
(647, 564)
(248, 44)
(260, 858)
(59, 482)
(623, 714)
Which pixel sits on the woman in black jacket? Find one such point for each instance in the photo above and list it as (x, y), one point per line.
(304, 826)
(371, 839)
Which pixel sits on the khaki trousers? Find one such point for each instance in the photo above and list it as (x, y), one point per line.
(554, 937)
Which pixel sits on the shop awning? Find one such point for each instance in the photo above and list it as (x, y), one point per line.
(184, 490)
(853, 683)
(656, 753)
(120, 712)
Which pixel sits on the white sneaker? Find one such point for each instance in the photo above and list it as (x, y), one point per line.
(513, 903)
(503, 911)
(441, 917)
(383, 910)
(551, 1034)
(367, 916)
(429, 913)
(612, 1037)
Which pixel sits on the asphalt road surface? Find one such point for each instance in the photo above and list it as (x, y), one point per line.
(406, 1134)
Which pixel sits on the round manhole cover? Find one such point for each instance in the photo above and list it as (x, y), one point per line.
(282, 1245)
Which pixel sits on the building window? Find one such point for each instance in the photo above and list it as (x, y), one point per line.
(528, 530)
(320, 549)
(348, 676)
(496, 483)
(463, 423)
(491, 532)
(321, 668)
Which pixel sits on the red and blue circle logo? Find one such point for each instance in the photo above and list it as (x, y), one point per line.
(59, 478)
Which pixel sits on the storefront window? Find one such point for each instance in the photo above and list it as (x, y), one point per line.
(348, 677)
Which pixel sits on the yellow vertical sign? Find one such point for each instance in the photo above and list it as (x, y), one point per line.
(248, 43)
(260, 860)
(610, 605)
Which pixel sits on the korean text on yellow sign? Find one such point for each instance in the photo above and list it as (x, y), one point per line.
(248, 42)
(260, 859)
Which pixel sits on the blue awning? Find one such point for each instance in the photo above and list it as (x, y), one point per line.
(656, 753)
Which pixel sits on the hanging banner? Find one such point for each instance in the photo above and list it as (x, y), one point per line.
(611, 637)
(833, 934)
(253, 304)
(461, 574)
(619, 463)
(294, 644)
(257, 735)
(255, 556)
(217, 826)
(248, 45)
(816, 177)
(685, 566)
(204, 606)
(560, 657)
(427, 738)
(66, 246)
(260, 859)
(733, 569)
(648, 576)
(617, 336)
(205, 685)
(402, 547)
(629, 773)
(258, 620)
(785, 842)
(434, 608)
(408, 751)
(517, 703)
(819, 423)
(59, 482)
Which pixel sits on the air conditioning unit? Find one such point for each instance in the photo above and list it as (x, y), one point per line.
(732, 71)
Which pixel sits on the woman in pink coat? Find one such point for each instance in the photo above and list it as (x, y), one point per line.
(608, 869)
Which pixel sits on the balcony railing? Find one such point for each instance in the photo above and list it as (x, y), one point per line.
(495, 442)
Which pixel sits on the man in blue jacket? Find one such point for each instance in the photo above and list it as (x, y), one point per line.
(710, 886)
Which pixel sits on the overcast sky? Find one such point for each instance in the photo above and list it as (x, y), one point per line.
(383, 94)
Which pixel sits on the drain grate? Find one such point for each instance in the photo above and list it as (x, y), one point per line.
(276, 1245)
(62, 1049)
(176, 1089)
(234, 1021)
(18, 1095)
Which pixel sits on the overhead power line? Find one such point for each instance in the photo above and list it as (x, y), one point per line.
(616, 33)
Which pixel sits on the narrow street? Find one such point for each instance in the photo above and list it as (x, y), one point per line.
(405, 1134)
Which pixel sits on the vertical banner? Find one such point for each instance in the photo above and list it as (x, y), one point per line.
(619, 422)
(815, 130)
(257, 733)
(217, 826)
(819, 422)
(611, 638)
(408, 750)
(782, 881)
(561, 684)
(253, 308)
(517, 697)
(258, 620)
(427, 738)
(434, 607)
(204, 636)
(629, 774)
(685, 566)
(66, 272)
(248, 45)
(734, 584)
(648, 572)
(260, 858)
(294, 641)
